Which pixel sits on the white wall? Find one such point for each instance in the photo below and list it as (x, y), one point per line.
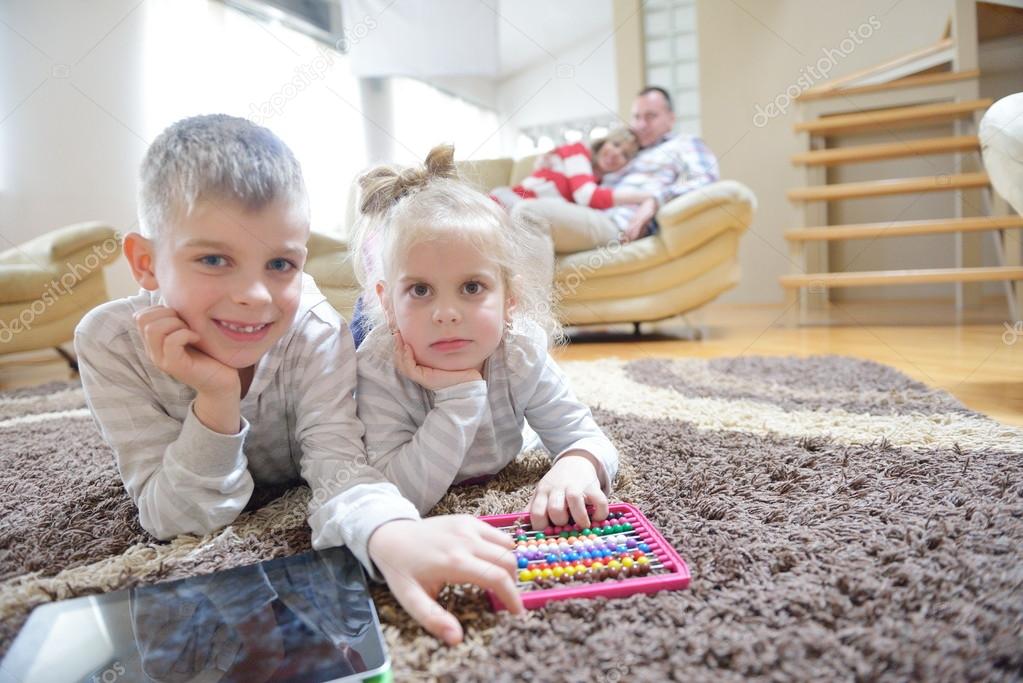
(574, 82)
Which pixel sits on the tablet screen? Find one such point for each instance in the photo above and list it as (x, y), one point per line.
(304, 618)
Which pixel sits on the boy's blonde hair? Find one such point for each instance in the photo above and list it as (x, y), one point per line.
(215, 157)
(402, 207)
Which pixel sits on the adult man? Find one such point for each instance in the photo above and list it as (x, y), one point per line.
(668, 165)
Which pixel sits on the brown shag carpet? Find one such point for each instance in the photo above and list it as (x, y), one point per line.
(841, 521)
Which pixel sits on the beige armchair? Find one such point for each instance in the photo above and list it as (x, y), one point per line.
(50, 282)
(689, 262)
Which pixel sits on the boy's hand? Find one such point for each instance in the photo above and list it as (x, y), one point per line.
(568, 487)
(417, 557)
(428, 378)
(168, 341)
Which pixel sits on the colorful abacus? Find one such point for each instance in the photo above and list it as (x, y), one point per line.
(619, 556)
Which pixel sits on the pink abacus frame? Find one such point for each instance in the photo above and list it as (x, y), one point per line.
(677, 576)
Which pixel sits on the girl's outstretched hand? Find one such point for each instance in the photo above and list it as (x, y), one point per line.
(417, 557)
(568, 487)
(428, 378)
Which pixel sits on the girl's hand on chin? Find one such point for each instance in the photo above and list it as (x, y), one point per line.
(428, 378)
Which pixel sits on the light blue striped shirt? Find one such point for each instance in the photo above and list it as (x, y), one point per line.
(299, 422)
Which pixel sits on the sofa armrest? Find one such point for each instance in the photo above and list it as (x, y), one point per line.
(688, 221)
(62, 243)
(329, 262)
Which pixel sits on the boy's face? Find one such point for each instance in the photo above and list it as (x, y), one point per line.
(234, 276)
(449, 303)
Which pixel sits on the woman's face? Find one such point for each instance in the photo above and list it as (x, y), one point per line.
(613, 155)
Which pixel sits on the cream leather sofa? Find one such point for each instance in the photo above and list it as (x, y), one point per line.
(689, 262)
(49, 283)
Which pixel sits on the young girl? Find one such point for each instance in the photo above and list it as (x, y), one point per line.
(573, 172)
(456, 363)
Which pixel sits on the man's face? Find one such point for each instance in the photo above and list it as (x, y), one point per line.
(651, 118)
(234, 276)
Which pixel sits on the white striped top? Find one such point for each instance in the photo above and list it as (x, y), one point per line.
(425, 441)
(298, 422)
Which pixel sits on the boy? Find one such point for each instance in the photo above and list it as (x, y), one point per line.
(232, 369)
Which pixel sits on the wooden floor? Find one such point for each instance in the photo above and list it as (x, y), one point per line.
(979, 360)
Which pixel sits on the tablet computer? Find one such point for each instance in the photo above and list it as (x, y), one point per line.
(306, 618)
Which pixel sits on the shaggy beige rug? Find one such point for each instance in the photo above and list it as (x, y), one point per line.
(841, 522)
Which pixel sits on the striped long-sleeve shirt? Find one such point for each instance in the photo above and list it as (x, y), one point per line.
(299, 421)
(425, 441)
(569, 176)
(669, 168)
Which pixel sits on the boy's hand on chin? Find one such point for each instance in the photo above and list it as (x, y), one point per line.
(168, 341)
(428, 378)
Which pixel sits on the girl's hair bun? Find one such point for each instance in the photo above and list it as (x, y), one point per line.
(385, 186)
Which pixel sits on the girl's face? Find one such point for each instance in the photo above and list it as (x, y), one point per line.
(613, 155)
(449, 303)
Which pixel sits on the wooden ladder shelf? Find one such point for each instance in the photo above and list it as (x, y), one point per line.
(936, 84)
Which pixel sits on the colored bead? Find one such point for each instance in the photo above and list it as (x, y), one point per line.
(558, 571)
(627, 527)
(644, 547)
(589, 562)
(598, 565)
(547, 573)
(627, 562)
(563, 534)
(525, 576)
(523, 563)
(630, 543)
(614, 564)
(540, 535)
(643, 560)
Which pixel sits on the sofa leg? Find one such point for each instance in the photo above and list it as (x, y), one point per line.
(636, 331)
(71, 360)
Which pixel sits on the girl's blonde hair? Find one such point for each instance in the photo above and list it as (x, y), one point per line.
(402, 207)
